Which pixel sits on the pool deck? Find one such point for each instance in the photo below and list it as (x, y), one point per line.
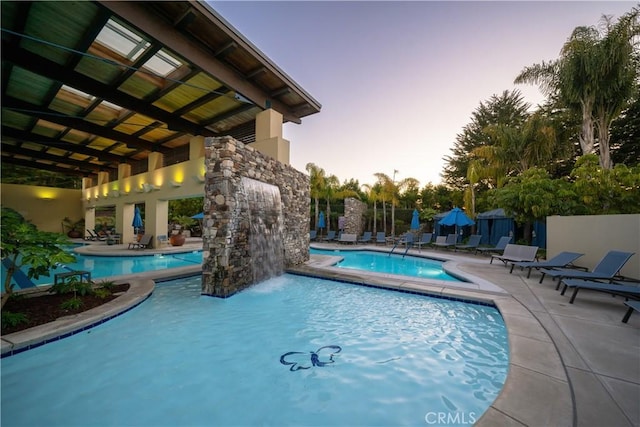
(570, 364)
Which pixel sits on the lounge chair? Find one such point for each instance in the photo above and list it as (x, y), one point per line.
(516, 253)
(633, 305)
(366, 237)
(472, 243)
(143, 243)
(563, 259)
(313, 235)
(625, 289)
(449, 241)
(498, 248)
(381, 237)
(348, 238)
(331, 235)
(607, 268)
(95, 236)
(425, 240)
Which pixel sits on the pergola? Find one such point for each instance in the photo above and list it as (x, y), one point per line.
(89, 85)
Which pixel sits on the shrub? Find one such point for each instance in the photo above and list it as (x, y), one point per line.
(10, 319)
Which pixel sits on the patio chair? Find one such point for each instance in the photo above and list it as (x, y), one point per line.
(516, 253)
(425, 240)
(366, 237)
(381, 237)
(93, 235)
(625, 289)
(607, 268)
(563, 259)
(472, 243)
(498, 248)
(143, 243)
(348, 238)
(448, 242)
(633, 305)
(331, 235)
(313, 235)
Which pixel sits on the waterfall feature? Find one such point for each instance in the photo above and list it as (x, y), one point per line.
(266, 228)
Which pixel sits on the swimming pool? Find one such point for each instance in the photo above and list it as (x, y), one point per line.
(289, 351)
(383, 262)
(106, 266)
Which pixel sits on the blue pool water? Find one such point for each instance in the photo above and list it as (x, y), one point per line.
(289, 351)
(105, 266)
(379, 262)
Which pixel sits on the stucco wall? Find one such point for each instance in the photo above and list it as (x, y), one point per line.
(227, 261)
(45, 207)
(595, 235)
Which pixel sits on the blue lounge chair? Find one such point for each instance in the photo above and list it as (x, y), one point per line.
(472, 243)
(450, 241)
(331, 235)
(425, 240)
(563, 259)
(366, 237)
(516, 253)
(498, 248)
(313, 235)
(607, 268)
(625, 289)
(381, 237)
(633, 305)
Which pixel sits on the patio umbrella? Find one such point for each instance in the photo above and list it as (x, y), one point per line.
(137, 221)
(415, 220)
(198, 216)
(321, 223)
(456, 217)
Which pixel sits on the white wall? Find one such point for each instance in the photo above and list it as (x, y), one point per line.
(594, 236)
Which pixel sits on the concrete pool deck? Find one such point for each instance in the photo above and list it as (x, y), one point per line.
(570, 364)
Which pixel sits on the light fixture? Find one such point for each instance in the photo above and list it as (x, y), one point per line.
(176, 184)
(198, 178)
(146, 187)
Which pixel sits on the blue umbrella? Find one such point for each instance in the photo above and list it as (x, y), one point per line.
(137, 221)
(456, 217)
(198, 216)
(321, 223)
(415, 220)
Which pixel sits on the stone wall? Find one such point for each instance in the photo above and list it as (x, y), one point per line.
(354, 212)
(227, 259)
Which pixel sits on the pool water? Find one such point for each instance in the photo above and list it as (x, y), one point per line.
(105, 266)
(289, 351)
(398, 264)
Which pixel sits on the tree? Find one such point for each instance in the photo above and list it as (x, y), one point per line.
(606, 191)
(24, 245)
(595, 75)
(505, 109)
(316, 186)
(625, 134)
(534, 195)
(374, 193)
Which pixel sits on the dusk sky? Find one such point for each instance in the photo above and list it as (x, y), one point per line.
(399, 80)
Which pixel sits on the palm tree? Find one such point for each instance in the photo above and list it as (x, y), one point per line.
(329, 193)
(316, 186)
(374, 193)
(594, 75)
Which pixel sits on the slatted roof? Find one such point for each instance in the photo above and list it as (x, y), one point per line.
(88, 85)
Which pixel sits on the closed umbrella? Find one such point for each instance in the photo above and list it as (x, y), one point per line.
(321, 222)
(415, 220)
(137, 221)
(456, 217)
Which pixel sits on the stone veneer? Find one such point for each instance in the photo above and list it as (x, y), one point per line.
(227, 262)
(354, 212)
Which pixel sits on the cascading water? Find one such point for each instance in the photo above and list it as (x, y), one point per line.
(266, 229)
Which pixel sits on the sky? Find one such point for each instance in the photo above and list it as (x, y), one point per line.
(398, 81)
